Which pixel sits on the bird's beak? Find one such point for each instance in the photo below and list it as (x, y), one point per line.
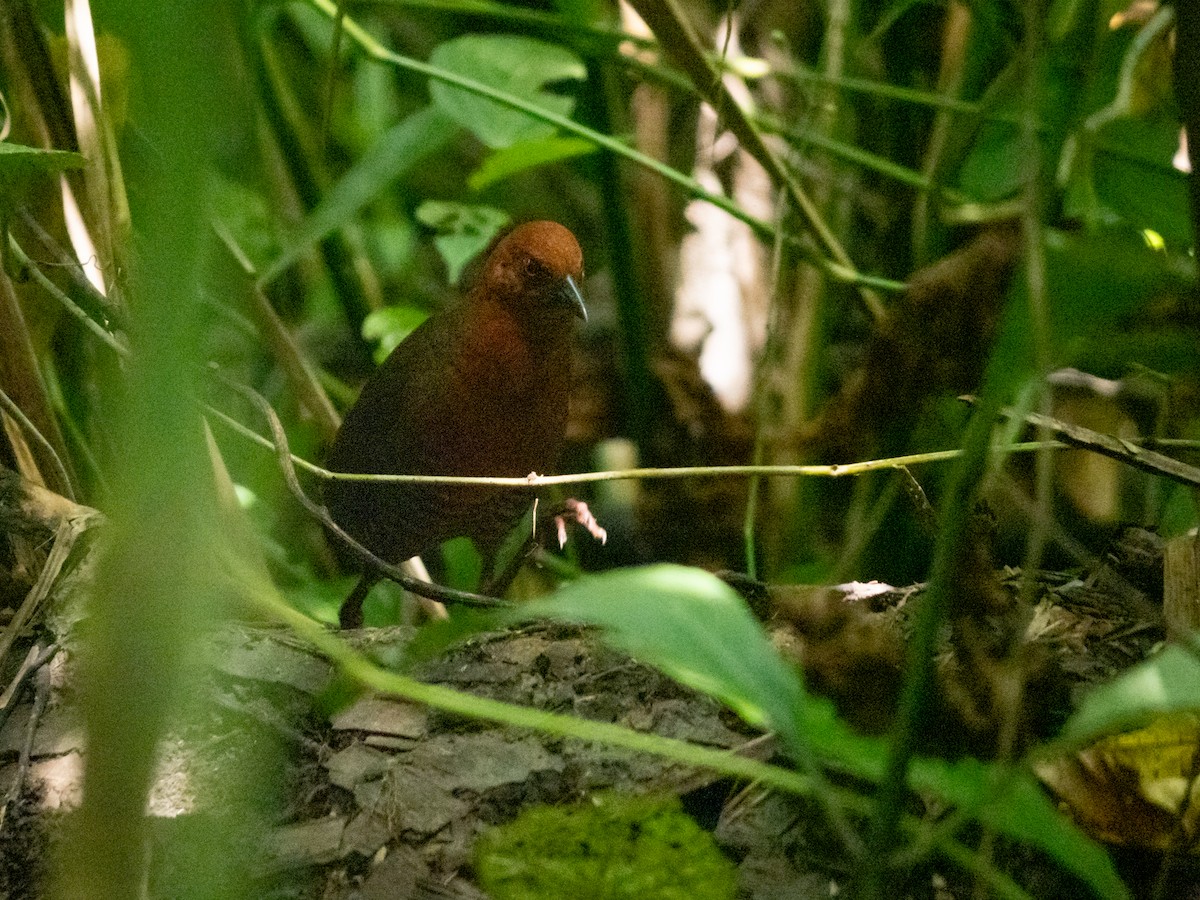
(568, 292)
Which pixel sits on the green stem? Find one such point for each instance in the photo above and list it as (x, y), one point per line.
(922, 649)
(819, 471)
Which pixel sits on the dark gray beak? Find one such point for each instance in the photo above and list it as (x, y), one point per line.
(568, 292)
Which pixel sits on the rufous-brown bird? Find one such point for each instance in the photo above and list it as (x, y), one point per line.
(479, 389)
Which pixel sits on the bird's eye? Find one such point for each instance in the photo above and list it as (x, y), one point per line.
(534, 270)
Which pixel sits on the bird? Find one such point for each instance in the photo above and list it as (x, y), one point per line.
(480, 388)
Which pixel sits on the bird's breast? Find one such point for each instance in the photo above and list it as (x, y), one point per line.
(512, 397)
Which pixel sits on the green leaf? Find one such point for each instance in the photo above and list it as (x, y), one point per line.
(1178, 512)
(526, 155)
(518, 65)
(395, 154)
(437, 636)
(19, 165)
(691, 625)
(1096, 283)
(1012, 802)
(389, 326)
(248, 217)
(1169, 682)
(463, 230)
(995, 165)
(1134, 176)
(464, 564)
(992, 170)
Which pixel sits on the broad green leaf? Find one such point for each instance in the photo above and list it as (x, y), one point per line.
(463, 230)
(387, 327)
(1169, 682)
(19, 165)
(396, 154)
(1179, 513)
(691, 625)
(251, 221)
(526, 155)
(992, 170)
(1134, 177)
(1118, 161)
(393, 245)
(1013, 803)
(464, 564)
(519, 65)
(1095, 283)
(995, 166)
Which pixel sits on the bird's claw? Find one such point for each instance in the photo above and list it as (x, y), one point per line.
(580, 513)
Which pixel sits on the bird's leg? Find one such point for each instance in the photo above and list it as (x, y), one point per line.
(429, 608)
(503, 579)
(351, 613)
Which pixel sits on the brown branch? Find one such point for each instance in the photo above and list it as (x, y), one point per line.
(1115, 448)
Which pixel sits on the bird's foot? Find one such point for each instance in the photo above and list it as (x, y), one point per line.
(577, 511)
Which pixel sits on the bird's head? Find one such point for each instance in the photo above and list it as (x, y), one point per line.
(535, 269)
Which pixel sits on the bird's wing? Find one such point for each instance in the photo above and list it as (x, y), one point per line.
(403, 407)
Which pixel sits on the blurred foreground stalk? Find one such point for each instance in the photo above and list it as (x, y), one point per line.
(151, 609)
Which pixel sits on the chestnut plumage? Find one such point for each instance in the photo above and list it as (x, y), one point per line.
(480, 388)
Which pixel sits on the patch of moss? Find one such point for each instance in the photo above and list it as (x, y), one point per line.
(610, 848)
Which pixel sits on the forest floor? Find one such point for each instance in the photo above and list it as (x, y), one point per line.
(383, 799)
